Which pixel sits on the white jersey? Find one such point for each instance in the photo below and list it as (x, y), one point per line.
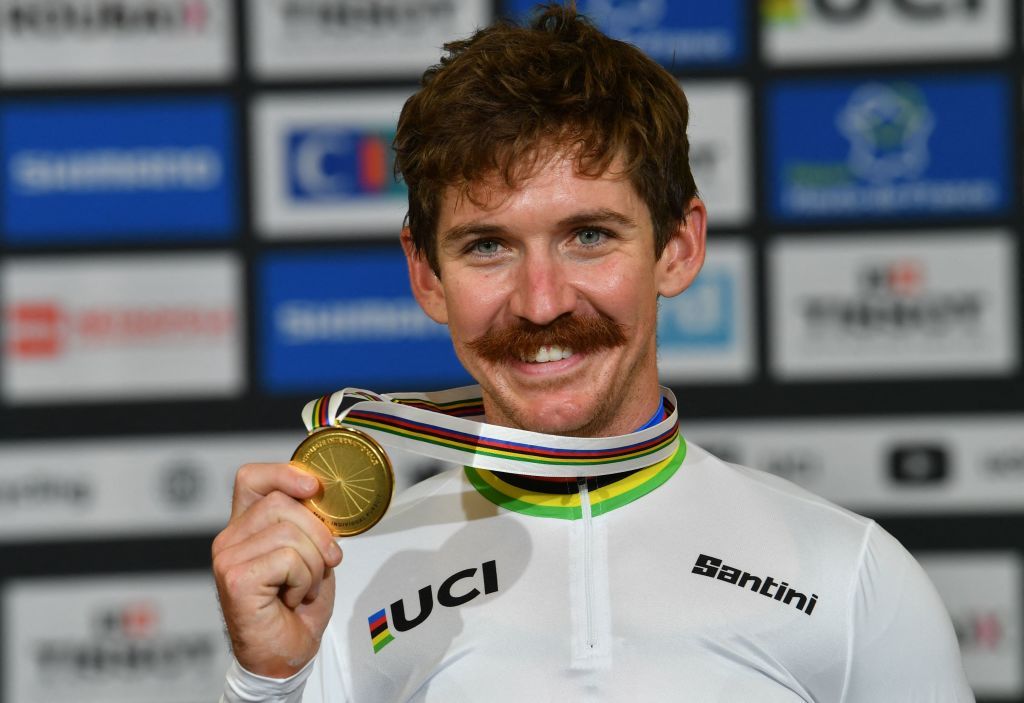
(692, 580)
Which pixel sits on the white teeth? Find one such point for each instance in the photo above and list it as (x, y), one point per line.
(545, 354)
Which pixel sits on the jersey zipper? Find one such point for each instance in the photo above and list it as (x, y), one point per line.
(588, 559)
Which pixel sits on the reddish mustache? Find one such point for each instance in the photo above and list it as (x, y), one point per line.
(581, 334)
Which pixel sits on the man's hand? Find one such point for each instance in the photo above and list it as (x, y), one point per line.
(273, 566)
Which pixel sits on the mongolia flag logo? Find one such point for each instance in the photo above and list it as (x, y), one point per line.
(380, 635)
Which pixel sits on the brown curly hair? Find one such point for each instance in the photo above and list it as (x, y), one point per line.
(498, 97)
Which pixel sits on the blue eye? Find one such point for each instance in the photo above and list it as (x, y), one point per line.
(590, 237)
(487, 247)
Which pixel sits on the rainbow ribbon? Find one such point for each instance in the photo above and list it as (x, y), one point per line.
(448, 426)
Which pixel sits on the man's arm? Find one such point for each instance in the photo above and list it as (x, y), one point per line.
(901, 642)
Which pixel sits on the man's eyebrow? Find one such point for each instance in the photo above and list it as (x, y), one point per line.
(578, 219)
(470, 229)
(597, 216)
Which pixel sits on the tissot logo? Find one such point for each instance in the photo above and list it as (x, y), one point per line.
(127, 642)
(893, 297)
(714, 568)
(919, 464)
(985, 630)
(358, 15)
(458, 589)
(54, 18)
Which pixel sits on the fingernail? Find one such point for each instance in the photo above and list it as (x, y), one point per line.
(309, 483)
(334, 551)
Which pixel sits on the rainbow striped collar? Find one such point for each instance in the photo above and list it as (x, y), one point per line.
(567, 506)
(448, 426)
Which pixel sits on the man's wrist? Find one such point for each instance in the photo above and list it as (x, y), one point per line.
(243, 686)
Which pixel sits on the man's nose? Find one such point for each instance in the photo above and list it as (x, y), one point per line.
(543, 292)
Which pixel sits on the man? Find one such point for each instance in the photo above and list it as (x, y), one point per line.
(551, 204)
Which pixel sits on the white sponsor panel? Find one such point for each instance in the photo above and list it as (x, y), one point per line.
(806, 31)
(720, 149)
(302, 38)
(132, 326)
(913, 465)
(982, 592)
(893, 305)
(177, 485)
(706, 334)
(81, 489)
(322, 164)
(122, 638)
(106, 41)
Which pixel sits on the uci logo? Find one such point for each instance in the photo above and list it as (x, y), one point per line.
(847, 10)
(458, 589)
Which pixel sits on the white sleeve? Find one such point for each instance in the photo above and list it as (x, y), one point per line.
(243, 686)
(901, 644)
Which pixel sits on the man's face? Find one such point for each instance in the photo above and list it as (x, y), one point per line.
(564, 261)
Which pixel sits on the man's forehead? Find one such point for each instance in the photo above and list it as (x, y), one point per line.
(492, 188)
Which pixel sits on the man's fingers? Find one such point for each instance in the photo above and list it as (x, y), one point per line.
(256, 481)
(277, 508)
(282, 535)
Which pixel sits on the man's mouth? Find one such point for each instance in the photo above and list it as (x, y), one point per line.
(545, 354)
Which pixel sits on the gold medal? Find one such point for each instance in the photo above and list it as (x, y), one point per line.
(356, 478)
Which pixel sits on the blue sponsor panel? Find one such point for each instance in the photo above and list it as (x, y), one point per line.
(703, 318)
(334, 319)
(893, 148)
(676, 33)
(340, 163)
(118, 170)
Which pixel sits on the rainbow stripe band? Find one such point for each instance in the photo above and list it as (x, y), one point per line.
(499, 448)
(448, 426)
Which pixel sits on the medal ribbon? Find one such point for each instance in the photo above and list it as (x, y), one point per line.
(447, 425)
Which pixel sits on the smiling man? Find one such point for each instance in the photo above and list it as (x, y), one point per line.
(550, 206)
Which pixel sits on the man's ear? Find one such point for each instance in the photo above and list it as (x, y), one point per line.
(425, 284)
(683, 256)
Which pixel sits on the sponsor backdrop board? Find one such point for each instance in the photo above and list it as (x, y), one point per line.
(907, 466)
(198, 233)
(324, 164)
(118, 170)
(720, 150)
(400, 38)
(122, 326)
(888, 148)
(677, 33)
(113, 639)
(337, 319)
(893, 305)
(110, 41)
(707, 334)
(983, 594)
(831, 31)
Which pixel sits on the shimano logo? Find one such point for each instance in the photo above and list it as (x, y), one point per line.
(302, 322)
(713, 568)
(52, 18)
(92, 170)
